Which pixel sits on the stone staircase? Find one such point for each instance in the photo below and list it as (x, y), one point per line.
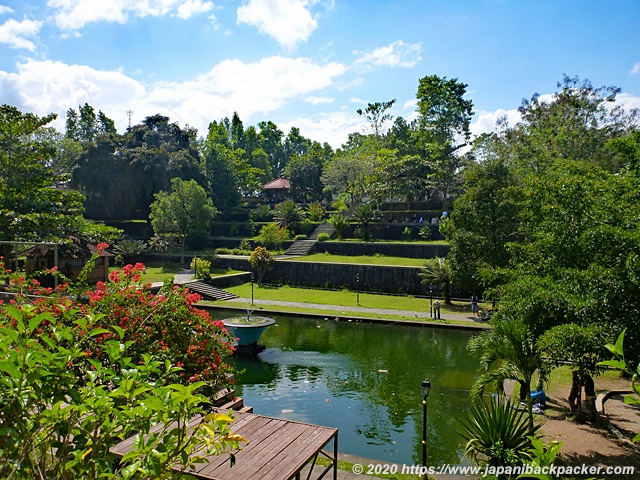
(302, 247)
(322, 228)
(209, 292)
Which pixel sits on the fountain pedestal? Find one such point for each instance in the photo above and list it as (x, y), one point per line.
(248, 331)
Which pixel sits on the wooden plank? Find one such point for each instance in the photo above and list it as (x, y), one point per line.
(252, 462)
(277, 449)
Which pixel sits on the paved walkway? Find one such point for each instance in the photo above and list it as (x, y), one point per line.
(372, 312)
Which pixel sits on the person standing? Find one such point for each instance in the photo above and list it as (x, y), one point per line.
(474, 304)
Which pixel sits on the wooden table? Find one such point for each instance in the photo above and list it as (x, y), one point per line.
(276, 450)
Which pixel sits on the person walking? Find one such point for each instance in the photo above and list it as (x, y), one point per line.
(474, 304)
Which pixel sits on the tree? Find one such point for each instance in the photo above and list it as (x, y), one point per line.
(442, 128)
(270, 138)
(186, 211)
(32, 207)
(437, 272)
(376, 115)
(508, 350)
(261, 261)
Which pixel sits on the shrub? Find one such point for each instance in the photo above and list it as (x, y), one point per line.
(223, 251)
(407, 234)
(324, 237)
(300, 237)
(201, 267)
(425, 232)
(339, 223)
(81, 376)
(272, 236)
(316, 212)
(261, 261)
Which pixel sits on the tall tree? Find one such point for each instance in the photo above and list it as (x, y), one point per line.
(376, 114)
(185, 212)
(442, 128)
(31, 205)
(270, 137)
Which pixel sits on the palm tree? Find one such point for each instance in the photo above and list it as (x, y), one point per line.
(365, 214)
(288, 214)
(436, 272)
(508, 351)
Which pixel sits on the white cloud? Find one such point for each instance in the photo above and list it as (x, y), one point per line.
(74, 14)
(14, 33)
(319, 100)
(46, 87)
(289, 22)
(333, 128)
(248, 88)
(396, 54)
(485, 122)
(628, 101)
(5, 9)
(193, 7)
(635, 69)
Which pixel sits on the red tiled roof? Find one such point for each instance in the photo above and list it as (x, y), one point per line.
(278, 184)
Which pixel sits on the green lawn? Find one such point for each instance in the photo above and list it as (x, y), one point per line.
(158, 273)
(402, 303)
(360, 259)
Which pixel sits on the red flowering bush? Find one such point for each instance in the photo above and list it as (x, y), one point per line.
(165, 325)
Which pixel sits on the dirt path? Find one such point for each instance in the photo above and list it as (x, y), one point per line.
(594, 444)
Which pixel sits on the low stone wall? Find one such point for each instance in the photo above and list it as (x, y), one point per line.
(406, 250)
(370, 278)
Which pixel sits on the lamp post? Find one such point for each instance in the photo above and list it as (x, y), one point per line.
(251, 288)
(431, 301)
(357, 289)
(424, 388)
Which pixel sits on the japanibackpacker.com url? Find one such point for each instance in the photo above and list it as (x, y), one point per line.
(556, 470)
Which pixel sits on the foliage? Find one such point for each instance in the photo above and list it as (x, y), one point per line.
(261, 213)
(365, 214)
(201, 267)
(497, 433)
(407, 234)
(620, 363)
(261, 261)
(376, 116)
(339, 222)
(543, 456)
(425, 232)
(30, 207)
(324, 237)
(436, 271)
(81, 377)
(581, 346)
(300, 236)
(186, 211)
(288, 214)
(272, 236)
(129, 250)
(443, 123)
(508, 350)
(316, 212)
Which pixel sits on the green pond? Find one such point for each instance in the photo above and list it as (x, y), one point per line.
(365, 380)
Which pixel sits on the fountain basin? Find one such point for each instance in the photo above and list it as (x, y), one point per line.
(247, 330)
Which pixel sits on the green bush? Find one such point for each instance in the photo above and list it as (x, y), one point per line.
(425, 232)
(201, 267)
(339, 223)
(324, 237)
(301, 236)
(407, 234)
(223, 251)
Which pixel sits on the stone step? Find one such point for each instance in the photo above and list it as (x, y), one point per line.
(300, 247)
(209, 292)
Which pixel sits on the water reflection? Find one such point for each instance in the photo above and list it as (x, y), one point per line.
(365, 380)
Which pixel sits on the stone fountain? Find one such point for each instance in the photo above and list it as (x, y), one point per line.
(248, 330)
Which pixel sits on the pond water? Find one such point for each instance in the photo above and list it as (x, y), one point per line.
(364, 379)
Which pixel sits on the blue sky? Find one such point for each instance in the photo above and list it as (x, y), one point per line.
(305, 63)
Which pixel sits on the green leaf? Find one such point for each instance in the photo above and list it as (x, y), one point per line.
(98, 331)
(618, 364)
(10, 333)
(10, 368)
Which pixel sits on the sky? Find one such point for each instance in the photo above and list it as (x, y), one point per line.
(305, 63)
